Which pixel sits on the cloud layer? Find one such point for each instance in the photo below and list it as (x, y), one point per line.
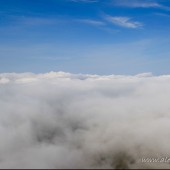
(63, 120)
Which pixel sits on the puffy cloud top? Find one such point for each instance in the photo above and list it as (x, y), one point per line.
(63, 120)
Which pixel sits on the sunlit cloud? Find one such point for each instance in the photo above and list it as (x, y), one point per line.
(63, 120)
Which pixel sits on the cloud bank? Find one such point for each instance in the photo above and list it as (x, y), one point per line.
(63, 120)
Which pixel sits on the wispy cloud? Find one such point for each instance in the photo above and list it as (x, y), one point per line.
(162, 14)
(85, 1)
(91, 22)
(140, 4)
(37, 21)
(123, 21)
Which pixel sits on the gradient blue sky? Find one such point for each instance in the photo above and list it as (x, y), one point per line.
(85, 36)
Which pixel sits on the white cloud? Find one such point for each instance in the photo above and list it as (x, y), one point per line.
(140, 4)
(145, 5)
(91, 22)
(162, 14)
(137, 3)
(63, 120)
(123, 21)
(85, 1)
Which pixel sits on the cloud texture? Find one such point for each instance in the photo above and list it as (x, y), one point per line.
(123, 22)
(62, 120)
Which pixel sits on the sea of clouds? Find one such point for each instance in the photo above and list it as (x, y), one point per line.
(63, 120)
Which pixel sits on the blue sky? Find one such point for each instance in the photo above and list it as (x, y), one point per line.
(85, 36)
